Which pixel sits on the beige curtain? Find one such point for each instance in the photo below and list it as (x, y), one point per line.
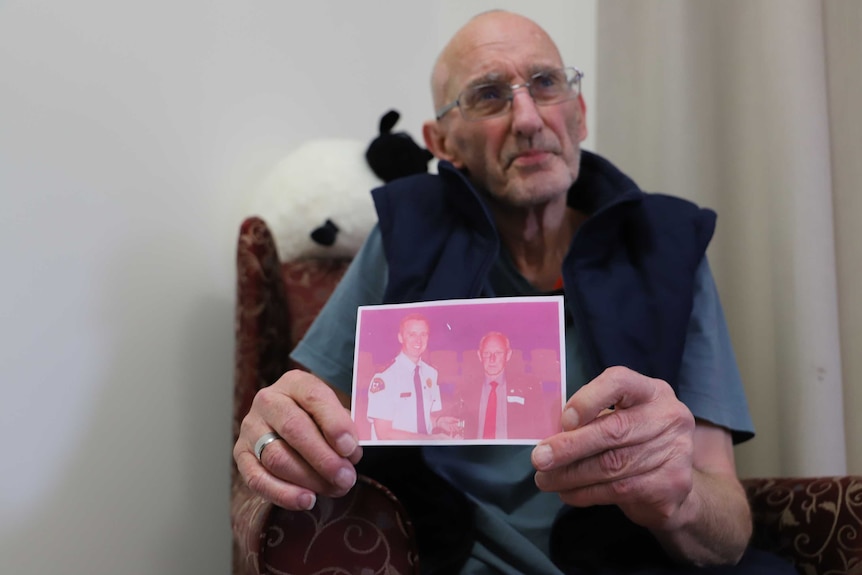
(752, 107)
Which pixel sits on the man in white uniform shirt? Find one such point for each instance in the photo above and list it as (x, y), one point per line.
(402, 397)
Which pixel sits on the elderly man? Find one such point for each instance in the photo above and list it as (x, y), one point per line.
(519, 209)
(500, 404)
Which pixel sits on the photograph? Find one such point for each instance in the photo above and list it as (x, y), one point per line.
(456, 372)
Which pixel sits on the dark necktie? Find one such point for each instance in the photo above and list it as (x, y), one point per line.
(490, 429)
(420, 403)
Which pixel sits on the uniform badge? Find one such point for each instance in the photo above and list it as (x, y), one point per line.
(376, 385)
(428, 383)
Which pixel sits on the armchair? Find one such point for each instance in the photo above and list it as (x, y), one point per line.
(815, 522)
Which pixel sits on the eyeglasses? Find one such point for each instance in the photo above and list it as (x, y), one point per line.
(493, 354)
(491, 99)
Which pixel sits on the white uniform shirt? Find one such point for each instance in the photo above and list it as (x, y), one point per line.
(391, 394)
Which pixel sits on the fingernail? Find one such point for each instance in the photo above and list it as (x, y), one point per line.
(345, 445)
(543, 456)
(345, 478)
(307, 501)
(569, 418)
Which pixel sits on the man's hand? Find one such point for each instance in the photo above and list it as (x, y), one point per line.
(451, 426)
(384, 430)
(319, 447)
(649, 457)
(638, 456)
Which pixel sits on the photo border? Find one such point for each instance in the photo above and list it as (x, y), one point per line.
(534, 319)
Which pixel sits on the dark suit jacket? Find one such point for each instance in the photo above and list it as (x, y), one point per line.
(527, 419)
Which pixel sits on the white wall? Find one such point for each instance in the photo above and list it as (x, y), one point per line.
(130, 134)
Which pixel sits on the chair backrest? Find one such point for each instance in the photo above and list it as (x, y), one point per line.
(276, 303)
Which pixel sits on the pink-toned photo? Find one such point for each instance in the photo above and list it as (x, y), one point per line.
(486, 371)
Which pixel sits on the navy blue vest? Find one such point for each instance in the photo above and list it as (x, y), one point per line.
(630, 269)
(630, 266)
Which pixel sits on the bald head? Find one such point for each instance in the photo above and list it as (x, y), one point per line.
(494, 353)
(526, 157)
(484, 31)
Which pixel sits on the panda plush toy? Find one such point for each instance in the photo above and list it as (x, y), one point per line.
(317, 200)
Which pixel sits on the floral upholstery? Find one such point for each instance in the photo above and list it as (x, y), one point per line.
(815, 522)
(367, 530)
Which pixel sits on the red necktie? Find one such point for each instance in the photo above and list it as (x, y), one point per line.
(420, 403)
(490, 429)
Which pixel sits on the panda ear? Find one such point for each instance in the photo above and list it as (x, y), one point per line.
(395, 155)
(325, 234)
(388, 121)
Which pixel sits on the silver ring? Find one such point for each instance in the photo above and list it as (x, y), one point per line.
(264, 440)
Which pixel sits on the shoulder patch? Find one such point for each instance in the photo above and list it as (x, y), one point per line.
(376, 385)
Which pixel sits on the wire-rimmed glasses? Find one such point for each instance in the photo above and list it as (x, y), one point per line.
(491, 99)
